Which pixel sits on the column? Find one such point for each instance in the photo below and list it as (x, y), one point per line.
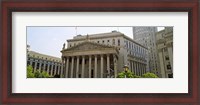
(83, 66)
(66, 67)
(162, 71)
(90, 62)
(108, 64)
(72, 67)
(115, 65)
(142, 66)
(170, 57)
(140, 69)
(101, 66)
(44, 66)
(95, 66)
(129, 64)
(40, 66)
(31, 62)
(145, 68)
(135, 71)
(51, 69)
(58, 72)
(48, 67)
(35, 66)
(77, 67)
(55, 69)
(132, 67)
(61, 71)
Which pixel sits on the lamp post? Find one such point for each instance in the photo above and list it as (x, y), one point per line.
(125, 70)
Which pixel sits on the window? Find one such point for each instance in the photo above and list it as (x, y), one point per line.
(170, 75)
(103, 41)
(97, 41)
(166, 58)
(108, 40)
(168, 66)
(118, 42)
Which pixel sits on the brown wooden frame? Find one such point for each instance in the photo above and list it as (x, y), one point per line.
(9, 6)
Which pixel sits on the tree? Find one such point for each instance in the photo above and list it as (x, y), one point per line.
(149, 75)
(127, 74)
(130, 74)
(42, 74)
(37, 73)
(45, 74)
(30, 73)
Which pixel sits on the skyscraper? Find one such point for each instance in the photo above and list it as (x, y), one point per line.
(146, 37)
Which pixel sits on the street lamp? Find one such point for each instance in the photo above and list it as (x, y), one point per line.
(125, 70)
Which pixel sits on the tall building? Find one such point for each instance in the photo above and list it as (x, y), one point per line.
(165, 52)
(146, 37)
(102, 56)
(52, 65)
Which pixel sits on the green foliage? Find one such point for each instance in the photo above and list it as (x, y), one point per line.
(37, 73)
(30, 73)
(127, 74)
(42, 74)
(130, 74)
(149, 75)
(45, 74)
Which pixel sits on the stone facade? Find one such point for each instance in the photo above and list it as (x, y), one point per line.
(165, 52)
(146, 36)
(102, 56)
(52, 65)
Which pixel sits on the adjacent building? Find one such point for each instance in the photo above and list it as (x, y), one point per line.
(42, 62)
(146, 36)
(165, 52)
(103, 56)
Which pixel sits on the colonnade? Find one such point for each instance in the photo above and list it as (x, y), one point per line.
(137, 68)
(52, 68)
(90, 66)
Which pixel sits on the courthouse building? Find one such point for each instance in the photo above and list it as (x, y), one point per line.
(165, 52)
(102, 56)
(52, 65)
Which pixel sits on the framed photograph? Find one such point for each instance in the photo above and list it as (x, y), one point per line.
(100, 52)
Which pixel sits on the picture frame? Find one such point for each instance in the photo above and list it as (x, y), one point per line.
(190, 6)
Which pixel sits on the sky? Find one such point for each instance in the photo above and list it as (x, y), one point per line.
(50, 40)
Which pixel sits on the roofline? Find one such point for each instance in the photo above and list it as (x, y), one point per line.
(99, 37)
(45, 55)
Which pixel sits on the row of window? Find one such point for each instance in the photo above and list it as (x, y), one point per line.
(104, 42)
(137, 54)
(43, 61)
(136, 48)
(43, 58)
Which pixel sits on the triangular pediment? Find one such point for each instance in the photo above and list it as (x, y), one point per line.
(87, 45)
